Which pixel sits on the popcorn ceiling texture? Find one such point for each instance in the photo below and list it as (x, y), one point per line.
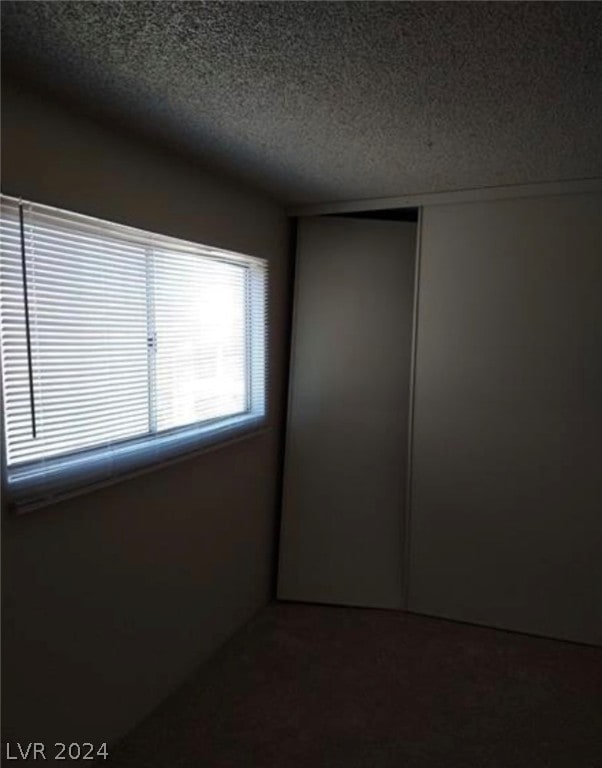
(320, 101)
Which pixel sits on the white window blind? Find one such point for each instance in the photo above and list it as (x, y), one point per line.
(120, 347)
(200, 324)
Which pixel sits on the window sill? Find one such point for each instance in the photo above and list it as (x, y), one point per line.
(27, 492)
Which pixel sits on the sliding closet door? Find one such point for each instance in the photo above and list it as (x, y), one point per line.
(507, 460)
(346, 454)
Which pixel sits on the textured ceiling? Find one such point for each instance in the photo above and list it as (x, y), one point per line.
(317, 101)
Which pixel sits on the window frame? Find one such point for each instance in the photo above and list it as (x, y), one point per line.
(39, 482)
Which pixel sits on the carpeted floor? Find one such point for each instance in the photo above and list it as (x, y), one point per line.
(306, 686)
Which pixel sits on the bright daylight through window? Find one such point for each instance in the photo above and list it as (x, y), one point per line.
(120, 347)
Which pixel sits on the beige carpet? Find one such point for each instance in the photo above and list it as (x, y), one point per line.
(306, 686)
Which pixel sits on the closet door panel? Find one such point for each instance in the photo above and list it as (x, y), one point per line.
(346, 454)
(507, 458)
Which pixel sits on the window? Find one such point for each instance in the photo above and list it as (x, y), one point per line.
(120, 348)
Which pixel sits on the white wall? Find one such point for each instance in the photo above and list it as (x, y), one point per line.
(110, 599)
